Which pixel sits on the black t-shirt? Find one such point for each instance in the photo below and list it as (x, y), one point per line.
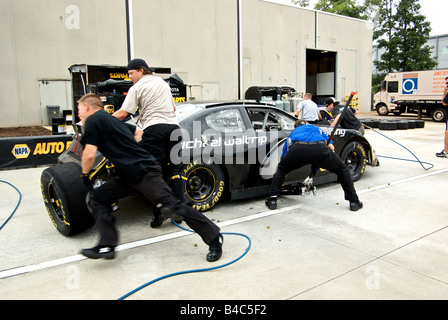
(445, 99)
(115, 140)
(349, 121)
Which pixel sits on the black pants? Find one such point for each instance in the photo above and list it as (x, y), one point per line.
(154, 188)
(157, 140)
(318, 155)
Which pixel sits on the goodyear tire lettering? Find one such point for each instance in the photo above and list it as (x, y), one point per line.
(204, 185)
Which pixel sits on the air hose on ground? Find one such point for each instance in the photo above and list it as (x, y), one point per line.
(18, 203)
(194, 270)
(395, 158)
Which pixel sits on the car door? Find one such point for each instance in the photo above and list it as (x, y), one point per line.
(276, 126)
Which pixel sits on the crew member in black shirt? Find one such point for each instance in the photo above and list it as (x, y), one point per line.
(137, 170)
(349, 121)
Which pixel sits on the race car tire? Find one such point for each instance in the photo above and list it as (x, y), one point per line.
(368, 122)
(376, 123)
(204, 185)
(402, 124)
(412, 124)
(355, 158)
(387, 125)
(420, 123)
(64, 196)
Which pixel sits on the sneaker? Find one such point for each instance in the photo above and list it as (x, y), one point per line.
(271, 202)
(442, 154)
(106, 252)
(157, 221)
(355, 205)
(215, 249)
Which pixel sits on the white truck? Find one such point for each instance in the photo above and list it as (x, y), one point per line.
(412, 92)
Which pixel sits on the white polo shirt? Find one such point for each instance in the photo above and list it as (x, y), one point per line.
(153, 96)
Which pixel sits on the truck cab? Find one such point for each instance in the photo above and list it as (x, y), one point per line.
(384, 101)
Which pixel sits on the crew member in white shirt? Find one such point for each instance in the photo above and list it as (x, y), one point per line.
(309, 109)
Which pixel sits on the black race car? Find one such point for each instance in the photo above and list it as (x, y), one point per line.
(227, 151)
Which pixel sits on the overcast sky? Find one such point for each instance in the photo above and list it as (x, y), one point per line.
(434, 11)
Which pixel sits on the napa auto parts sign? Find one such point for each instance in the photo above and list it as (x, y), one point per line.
(22, 152)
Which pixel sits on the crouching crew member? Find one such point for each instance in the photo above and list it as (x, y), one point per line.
(307, 144)
(138, 171)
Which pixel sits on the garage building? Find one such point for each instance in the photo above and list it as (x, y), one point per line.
(219, 48)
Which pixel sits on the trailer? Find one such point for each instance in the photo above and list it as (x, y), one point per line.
(413, 92)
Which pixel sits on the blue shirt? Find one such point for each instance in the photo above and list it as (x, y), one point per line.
(305, 133)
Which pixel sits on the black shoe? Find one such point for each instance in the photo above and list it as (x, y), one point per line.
(215, 249)
(355, 205)
(106, 252)
(271, 202)
(157, 221)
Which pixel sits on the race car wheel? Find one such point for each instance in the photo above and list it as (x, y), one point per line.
(64, 195)
(204, 185)
(355, 158)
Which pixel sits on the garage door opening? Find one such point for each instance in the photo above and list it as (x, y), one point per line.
(320, 74)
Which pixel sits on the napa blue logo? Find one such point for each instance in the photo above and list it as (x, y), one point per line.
(21, 151)
(410, 83)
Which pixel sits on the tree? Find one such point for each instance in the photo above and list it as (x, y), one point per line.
(403, 36)
(348, 8)
(412, 32)
(301, 3)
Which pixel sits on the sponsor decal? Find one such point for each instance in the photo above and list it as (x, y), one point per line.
(410, 83)
(21, 151)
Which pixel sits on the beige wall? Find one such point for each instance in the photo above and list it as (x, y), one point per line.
(41, 39)
(196, 38)
(275, 40)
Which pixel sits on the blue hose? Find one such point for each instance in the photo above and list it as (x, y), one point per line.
(417, 159)
(194, 270)
(18, 203)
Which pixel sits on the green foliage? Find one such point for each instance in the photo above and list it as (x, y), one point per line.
(348, 8)
(402, 32)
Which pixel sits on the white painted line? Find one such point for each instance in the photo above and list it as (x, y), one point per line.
(131, 245)
(393, 183)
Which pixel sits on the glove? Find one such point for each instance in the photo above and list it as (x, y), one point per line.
(86, 180)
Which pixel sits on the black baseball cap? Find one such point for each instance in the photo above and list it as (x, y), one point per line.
(331, 100)
(136, 64)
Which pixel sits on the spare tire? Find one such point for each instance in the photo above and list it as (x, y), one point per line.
(368, 122)
(402, 124)
(64, 195)
(387, 125)
(420, 123)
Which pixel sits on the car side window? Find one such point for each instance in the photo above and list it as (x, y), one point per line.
(266, 120)
(229, 120)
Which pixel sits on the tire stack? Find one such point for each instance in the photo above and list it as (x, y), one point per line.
(392, 124)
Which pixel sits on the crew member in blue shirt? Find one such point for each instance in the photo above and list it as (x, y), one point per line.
(307, 144)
